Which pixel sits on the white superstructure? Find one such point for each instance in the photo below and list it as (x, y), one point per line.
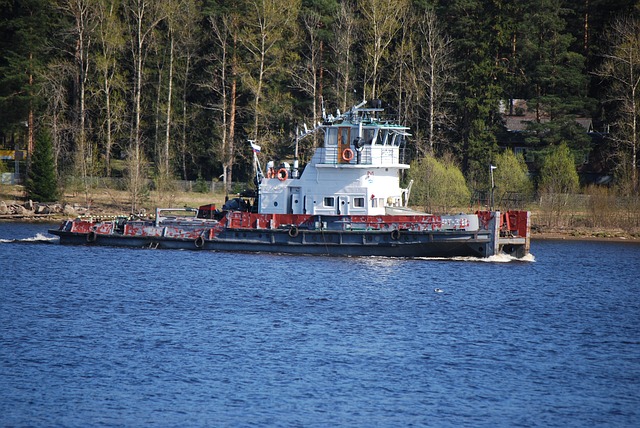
(355, 171)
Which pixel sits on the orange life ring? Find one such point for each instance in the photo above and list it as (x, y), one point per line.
(282, 174)
(347, 154)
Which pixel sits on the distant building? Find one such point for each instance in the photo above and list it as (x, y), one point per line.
(516, 117)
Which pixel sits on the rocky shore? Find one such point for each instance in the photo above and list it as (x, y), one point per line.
(13, 210)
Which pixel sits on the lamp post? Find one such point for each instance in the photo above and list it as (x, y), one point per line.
(492, 184)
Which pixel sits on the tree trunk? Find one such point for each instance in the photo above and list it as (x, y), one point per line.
(232, 116)
(169, 96)
(184, 116)
(225, 103)
(109, 138)
(634, 135)
(135, 161)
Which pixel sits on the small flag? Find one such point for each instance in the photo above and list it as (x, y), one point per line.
(493, 167)
(255, 147)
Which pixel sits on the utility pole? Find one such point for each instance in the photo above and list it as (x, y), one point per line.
(492, 186)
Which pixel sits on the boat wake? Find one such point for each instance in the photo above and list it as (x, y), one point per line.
(39, 238)
(498, 258)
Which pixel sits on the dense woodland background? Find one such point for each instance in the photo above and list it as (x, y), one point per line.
(166, 89)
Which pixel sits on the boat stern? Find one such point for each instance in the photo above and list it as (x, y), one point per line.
(511, 232)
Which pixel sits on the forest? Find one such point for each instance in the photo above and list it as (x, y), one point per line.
(158, 90)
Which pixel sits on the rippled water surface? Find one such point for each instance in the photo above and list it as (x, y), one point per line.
(108, 336)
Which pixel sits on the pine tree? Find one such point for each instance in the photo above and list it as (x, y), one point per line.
(41, 183)
(471, 25)
(554, 75)
(24, 30)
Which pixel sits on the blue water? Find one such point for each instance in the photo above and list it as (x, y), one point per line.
(107, 336)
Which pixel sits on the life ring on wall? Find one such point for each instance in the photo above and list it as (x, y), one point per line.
(199, 242)
(293, 232)
(347, 154)
(283, 174)
(91, 236)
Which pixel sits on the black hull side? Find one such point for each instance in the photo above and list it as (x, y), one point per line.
(343, 243)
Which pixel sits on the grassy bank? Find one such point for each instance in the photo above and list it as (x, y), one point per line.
(587, 217)
(109, 202)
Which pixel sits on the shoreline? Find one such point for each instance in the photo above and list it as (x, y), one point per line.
(582, 234)
(104, 204)
(583, 238)
(555, 236)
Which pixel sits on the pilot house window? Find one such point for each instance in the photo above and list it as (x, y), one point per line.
(358, 202)
(329, 202)
(331, 138)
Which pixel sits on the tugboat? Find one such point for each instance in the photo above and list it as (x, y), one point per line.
(347, 201)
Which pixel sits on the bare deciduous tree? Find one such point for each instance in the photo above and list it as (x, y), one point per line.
(263, 36)
(306, 74)
(187, 41)
(621, 68)
(383, 19)
(436, 74)
(110, 40)
(143, 16)
(345, 34)
(225, 30)
(82, 31)
(54, 90)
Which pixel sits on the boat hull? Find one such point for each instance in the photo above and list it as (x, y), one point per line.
(479, 235)
(308, 242)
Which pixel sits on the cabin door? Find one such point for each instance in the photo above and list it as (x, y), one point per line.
(343, 205)
(344, 141)
(294, 205)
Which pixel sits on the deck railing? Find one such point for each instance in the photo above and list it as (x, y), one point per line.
(370, 155)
